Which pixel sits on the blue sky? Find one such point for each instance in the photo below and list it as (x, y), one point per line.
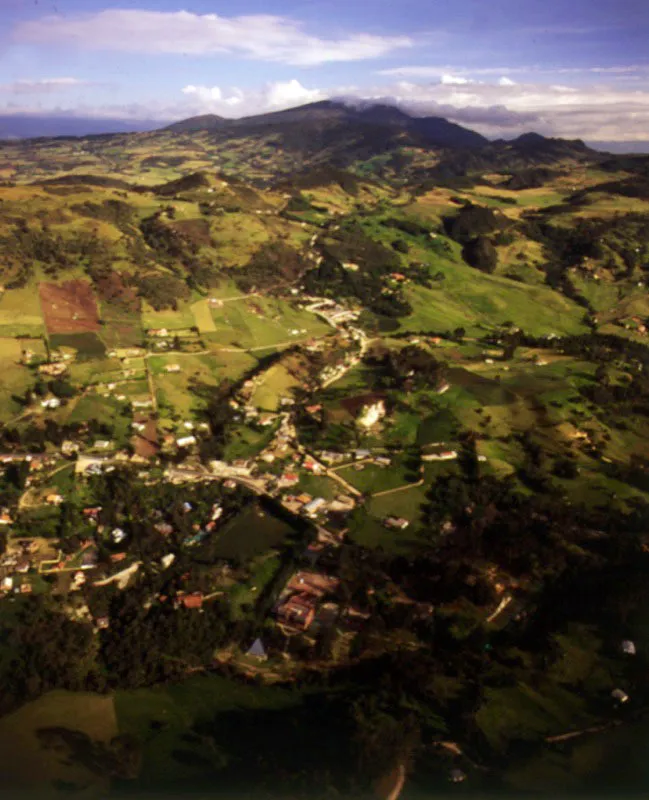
(578, 68)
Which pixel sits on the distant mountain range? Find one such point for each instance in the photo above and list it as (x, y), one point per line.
(377, 139)
(329, 116)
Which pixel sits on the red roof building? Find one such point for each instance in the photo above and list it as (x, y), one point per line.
(194, 600)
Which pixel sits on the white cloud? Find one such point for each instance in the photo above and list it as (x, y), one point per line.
(432, 71)
(260, 36)
(597, 111)
(450, 80)
(504, 81)
(291, 93)
(271, 97)
(41, 85)
(205, 93)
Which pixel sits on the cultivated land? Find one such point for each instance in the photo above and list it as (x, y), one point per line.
(271, 429)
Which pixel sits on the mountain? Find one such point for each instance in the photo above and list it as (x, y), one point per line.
(542, 145)
(321, 119)
(371, 140)
(203, 122)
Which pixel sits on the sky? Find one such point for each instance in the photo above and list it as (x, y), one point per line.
(571, 68)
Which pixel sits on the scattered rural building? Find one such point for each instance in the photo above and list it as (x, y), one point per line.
(396, 523)
(53, 370)
(317, 504)
(194, 600)
(457, 776)
(287, 479)
(298, 612)
(257, 650)
(117, 535)
(620, 695)
(51, 403)
(444, 455)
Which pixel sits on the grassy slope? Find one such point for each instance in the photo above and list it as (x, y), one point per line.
(26, 766)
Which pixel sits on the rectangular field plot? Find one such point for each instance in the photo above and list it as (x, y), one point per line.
(69, 307)
(20, 313)
(16, 378)
(203, 316)
(87, 345)
(257, 322)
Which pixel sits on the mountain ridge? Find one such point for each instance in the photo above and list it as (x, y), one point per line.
(435, 131)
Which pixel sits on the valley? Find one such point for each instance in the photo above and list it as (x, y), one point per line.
(326, 414)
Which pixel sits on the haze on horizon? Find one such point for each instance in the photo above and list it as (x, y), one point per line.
(578, 70)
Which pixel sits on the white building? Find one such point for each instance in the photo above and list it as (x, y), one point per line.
(371, 414)
(315, 505)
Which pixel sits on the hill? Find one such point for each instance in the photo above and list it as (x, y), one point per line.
(343, 119)
(204, 122)
(371, 140)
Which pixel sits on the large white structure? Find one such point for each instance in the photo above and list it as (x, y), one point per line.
(371, 414)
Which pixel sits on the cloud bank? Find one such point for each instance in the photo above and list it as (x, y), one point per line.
(499, 107)
(41, 85)
(263, 37)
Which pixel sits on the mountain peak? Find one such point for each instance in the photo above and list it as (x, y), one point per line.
(203, 122)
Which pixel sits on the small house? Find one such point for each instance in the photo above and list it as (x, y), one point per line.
(619, 695)
(457, 776)
(317, 504)
(117, 535)
(396, 523)
(257, 650)
(194, 600)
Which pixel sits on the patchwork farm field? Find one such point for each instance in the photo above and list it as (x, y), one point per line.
(21, 313)
(69, 307)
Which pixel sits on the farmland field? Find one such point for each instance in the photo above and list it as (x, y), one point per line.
(203, 316)
(275, 383)
(87, 345)
(180, 319)
(16, 378)
(69, 307)
(20, 313)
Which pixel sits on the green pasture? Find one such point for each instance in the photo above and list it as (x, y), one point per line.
(275, 383)
(27, 768)
(20, 312)
(180, 319)
(250, 534)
